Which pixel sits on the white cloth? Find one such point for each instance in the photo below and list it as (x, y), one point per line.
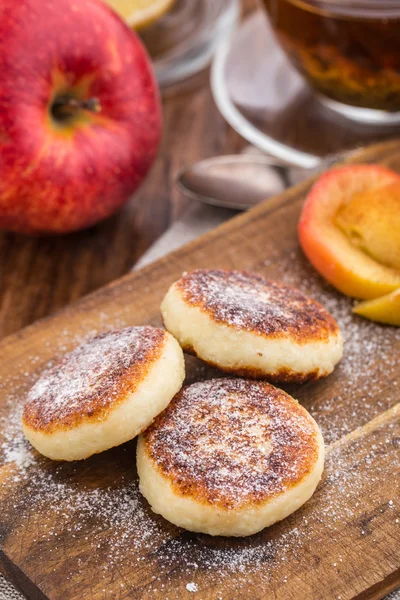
(196, 220)
(8, 591)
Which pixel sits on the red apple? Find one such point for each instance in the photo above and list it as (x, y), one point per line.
(80, 117)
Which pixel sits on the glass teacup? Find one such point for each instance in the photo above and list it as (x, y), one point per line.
(348, 50)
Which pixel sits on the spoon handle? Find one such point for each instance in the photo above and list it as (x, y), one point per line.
(200, 218)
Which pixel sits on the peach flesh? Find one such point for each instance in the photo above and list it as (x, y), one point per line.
(371, 221)
(383, 310)
(348, 268)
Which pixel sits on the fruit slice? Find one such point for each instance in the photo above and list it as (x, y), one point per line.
(140, 13)
(371, 220)
(343, 247)
(383, 310)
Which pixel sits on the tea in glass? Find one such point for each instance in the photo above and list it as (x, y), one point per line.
(348, 50)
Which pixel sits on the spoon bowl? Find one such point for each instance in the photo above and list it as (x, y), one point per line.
(233, 181)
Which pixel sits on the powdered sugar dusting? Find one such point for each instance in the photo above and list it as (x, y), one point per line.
(117, 506)
(250, 302)
(114, 519)
(19, 452)
(233, 442)
(88, 379)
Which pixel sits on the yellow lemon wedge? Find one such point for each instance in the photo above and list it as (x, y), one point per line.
(385, 309)
(140, 13)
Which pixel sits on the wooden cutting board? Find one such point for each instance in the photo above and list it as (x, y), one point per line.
(82, 531)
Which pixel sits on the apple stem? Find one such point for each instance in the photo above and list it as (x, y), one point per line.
(66, 106)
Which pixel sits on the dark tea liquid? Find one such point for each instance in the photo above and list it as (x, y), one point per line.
(349, 51)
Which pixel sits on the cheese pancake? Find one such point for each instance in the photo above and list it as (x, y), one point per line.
(103, 393)
(230, 457)
(250, 326)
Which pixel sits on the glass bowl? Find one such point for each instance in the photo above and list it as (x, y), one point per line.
(183, 41)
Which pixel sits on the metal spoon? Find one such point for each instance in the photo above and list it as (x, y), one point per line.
(240, 181)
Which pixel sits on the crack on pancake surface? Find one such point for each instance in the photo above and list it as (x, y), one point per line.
(247, 301)
(232, 442)
(92, 379)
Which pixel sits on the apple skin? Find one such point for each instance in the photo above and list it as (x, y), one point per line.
(58, 176)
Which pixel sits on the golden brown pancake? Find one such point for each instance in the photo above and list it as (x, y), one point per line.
(229, 457)
(245, 324)
(79, 400)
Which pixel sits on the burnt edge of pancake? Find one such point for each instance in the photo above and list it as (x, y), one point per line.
(88, 382)
(249, 302)
(282, 375)
(212, 443)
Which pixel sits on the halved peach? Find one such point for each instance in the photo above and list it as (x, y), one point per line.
(383, 310)
(349, 229)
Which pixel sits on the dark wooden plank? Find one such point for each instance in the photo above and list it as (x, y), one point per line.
(82, 530)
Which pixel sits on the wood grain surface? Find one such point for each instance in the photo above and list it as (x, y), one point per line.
(81, 530)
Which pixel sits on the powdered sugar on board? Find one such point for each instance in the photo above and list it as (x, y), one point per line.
(67, 502)
(364, 384)
(114, 519)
